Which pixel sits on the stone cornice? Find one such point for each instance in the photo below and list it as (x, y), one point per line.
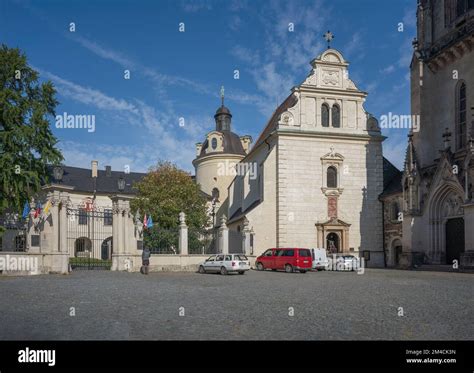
(329, 135)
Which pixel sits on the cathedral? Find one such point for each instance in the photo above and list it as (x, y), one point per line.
(312, 178)
(438, 176)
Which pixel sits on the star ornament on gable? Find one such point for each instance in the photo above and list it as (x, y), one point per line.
(329, 36)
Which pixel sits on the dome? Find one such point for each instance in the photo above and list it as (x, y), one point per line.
(222, 110)
(231, 143)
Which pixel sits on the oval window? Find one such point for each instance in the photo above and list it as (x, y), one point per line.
(214, 143)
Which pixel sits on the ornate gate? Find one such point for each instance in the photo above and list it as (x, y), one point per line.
(89, 238)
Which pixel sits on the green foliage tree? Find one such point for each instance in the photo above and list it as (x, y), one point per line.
(163, 193)
(27, 145)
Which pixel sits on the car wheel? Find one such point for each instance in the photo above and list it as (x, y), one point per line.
(201, 269)
(302, 271)
(241, 272)
(260, 266)
(288, 268)
(223, 271)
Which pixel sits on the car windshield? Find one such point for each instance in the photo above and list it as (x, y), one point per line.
(240, 257)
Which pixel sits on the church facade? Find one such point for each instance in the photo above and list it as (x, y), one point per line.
(438, 177)
(318, 171)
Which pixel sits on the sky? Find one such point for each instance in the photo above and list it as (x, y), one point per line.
(168, 103)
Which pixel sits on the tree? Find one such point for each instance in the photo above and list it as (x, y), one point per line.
(27, 145)
(163, 193)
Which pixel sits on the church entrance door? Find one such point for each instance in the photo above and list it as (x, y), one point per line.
(332, 242)
(454, 239)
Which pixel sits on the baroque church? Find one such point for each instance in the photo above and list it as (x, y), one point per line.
(321, 178)
(319, 170)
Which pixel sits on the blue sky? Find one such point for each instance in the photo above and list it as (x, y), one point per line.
(179, 74)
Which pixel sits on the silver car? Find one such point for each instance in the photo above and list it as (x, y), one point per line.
(225, 263)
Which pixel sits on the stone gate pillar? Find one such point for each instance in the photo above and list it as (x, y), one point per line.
(183, 234)
(125, 255)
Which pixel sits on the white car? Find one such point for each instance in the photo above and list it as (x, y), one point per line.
(225, 263)
(347, 263)
(320, 259)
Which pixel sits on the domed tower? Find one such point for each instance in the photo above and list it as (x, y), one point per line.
(217, 156)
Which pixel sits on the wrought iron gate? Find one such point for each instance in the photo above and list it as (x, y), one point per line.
(89, 238)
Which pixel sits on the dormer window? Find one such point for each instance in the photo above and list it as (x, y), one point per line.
(214, 143)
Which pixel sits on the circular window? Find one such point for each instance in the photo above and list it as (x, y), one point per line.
(214, 143)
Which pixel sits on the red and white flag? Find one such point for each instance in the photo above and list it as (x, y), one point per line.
(145, 222)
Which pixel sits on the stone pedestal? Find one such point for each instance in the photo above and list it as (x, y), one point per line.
(223, 236)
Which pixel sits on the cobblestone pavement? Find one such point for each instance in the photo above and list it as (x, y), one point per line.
(257, 305)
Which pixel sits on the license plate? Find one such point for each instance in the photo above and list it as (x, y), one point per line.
(242, 263)
(305, 261)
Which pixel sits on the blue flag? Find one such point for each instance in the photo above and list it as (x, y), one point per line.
(26, 210)
(149, 222)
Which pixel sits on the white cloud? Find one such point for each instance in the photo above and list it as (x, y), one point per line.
(104, 52)
(388, 70)
(89, 96)
(409, 17)
(354, 46)
(167, 140)
(193, 6)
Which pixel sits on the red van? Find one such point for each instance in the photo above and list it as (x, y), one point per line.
(287, 259)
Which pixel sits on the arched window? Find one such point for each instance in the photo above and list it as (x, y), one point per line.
(215, 194)
(214, 143)
(461, 116)
(331, 174)
(325, 115)
(336, 116)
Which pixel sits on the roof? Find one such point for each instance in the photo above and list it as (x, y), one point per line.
(82, 181)
(273, 121)
(231, 145)
(392, 179)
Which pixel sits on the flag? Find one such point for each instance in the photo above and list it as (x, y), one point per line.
(145, 222)
(150, 222)
(26, 210)
(38, 209)
(46, 208)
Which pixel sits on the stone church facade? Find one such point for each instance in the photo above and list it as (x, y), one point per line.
(437, 182)
(319, 171)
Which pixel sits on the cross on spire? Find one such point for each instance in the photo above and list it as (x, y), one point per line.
(329, 36)
(222, 95)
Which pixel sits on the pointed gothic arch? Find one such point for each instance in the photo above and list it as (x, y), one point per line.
(445, 204)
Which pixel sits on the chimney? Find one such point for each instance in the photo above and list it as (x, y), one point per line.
(94, 165)
(108, 171)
